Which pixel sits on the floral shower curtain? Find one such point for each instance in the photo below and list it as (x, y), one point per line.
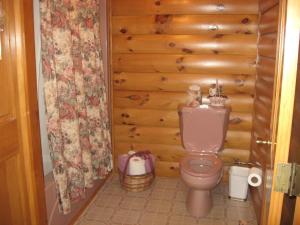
(75, 96)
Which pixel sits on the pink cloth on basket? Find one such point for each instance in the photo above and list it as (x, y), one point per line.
(122, 159)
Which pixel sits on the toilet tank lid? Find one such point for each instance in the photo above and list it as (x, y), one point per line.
(204, 129)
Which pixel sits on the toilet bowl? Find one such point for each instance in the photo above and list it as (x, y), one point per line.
(203, 132)
(201, 174)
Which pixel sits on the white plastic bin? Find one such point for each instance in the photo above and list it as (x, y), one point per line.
(238, 182)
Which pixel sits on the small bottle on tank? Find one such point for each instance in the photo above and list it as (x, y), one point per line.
(195, 98)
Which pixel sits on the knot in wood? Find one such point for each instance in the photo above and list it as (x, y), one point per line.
(219, 36)
(186, 50)
(123, 30)
(245, 20)
(172, 44)
(162, 19)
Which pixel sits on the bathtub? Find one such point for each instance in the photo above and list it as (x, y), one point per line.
(53, 215)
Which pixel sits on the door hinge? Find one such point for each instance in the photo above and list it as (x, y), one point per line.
(287, 179)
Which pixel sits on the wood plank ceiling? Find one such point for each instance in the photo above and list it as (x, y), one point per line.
(159, 48)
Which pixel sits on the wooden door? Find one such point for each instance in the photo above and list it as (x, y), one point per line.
(261, 154)
(21, 201)
(289, 203)
(285, 144)
(13, 188)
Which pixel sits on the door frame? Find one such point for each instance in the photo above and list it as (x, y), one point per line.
(285, 85)
(28, 111)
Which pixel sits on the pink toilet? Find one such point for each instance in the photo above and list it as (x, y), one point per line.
(203, 131)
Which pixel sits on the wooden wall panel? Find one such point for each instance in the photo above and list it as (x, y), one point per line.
(161, 47)
(171, 100)
(265, 74)
(169, 118)
(269, 21)
(267, 44)
(174, 82)
(185, 44)
(171, 136)
(185, 24)
(169, 63)
(267, 4)
(265, 68)
(134, 7)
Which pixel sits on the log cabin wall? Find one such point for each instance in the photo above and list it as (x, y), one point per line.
(159, 48)
(263, 102)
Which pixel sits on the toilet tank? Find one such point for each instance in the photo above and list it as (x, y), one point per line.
(203, 129)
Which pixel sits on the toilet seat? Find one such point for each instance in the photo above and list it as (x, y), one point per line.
(201, 165)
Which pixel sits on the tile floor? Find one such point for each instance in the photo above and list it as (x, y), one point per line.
(163, 204)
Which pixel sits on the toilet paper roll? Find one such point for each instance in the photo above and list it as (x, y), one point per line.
(255, 177)
(136, 166)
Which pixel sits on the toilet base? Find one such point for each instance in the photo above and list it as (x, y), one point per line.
(199, 202)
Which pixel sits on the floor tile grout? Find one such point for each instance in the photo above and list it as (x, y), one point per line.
(162, 204)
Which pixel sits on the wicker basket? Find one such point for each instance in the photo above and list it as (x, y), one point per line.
(137, 183)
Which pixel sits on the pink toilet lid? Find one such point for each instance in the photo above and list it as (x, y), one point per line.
(203, 165)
